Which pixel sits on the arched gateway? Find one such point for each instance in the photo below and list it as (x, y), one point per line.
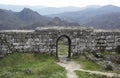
(69, 45)
(45, 39)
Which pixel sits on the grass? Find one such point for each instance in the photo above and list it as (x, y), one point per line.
(81, 74)
(86, 64)
(28, 65)
(89, 65)
(63, 49)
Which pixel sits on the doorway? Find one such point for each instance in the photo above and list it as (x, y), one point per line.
(63, 46)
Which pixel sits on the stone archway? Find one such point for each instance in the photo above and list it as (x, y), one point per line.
(69, 45)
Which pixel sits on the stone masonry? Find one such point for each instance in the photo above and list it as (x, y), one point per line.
(44, 39)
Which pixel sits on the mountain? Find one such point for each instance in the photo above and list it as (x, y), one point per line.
(26, 18)
(44, 10)
(96, 16)
(54, 22)
(87, 16)
(9, 20)
(30, 16)
(58, 22)
(16, 20)
(105, 21)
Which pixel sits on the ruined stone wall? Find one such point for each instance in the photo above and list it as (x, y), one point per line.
(44, 39)
(78, 37)
(107, 39)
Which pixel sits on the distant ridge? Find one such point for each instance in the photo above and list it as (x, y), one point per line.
(44, 10)
(102, 17)
(105, 17)
(26, 19)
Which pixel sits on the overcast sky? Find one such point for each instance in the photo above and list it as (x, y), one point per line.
(61, 3)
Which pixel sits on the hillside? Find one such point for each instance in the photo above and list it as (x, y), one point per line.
(26, 18)
(106, 21)
(16, 20)
(9, 20)
(87, 16)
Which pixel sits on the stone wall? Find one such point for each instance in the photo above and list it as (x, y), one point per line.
(108, 39)
(44, 39)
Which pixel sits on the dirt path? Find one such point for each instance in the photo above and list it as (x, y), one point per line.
(71, 66)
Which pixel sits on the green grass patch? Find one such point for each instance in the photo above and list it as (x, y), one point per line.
(29, 65)
(81, 74)
(86, 64)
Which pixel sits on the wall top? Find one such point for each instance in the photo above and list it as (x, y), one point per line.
(103, 30)
(17, 31)
(62, 27)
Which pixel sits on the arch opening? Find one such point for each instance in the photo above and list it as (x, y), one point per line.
(63, 46)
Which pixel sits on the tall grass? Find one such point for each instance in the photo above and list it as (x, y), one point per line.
(28, 65)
